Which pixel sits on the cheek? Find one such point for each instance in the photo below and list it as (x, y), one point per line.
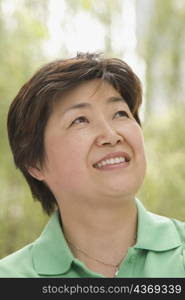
(66, 162)
(140, 151)
(139, 142)
(135, 139)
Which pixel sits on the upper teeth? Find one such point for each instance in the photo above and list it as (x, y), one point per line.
(110, 161)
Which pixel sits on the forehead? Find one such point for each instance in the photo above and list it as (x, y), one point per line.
(91, 91)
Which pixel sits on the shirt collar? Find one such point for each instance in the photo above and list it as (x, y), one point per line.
(52, 256)
(155, 232)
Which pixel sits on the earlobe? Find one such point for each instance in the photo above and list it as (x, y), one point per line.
(36, 173)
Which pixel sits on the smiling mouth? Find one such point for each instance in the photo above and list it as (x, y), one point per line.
(111, 163)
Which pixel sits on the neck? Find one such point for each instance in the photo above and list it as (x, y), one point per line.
(100, 231)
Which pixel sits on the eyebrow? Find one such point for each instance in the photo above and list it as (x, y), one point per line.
(88, 105)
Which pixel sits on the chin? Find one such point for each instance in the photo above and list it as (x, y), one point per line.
(119, 190)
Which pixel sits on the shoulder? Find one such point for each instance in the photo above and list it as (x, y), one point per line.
(23, 263)
(162, 240)
(180, 227)
(170, 225)
(18, 264)
(155, 223)
(169, 229)
(159, 233)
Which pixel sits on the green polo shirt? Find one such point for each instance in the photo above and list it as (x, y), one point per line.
(158, 252)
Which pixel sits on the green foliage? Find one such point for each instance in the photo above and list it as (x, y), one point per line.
(106, 12)
(163, 50)
(21, 220)
(163, 190)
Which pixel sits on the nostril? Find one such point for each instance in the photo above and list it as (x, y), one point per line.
(110, 138)
(106, 143)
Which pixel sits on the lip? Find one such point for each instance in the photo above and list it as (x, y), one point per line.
(113, 155)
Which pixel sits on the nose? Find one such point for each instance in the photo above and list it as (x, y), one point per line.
(107, 135)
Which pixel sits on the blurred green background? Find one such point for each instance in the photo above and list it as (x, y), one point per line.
(150, 36)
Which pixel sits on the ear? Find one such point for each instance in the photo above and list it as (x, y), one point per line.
(36, 173)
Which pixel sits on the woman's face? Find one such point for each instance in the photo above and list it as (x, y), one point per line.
(94, 147)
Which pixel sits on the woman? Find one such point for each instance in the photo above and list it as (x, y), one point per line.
(75, 134)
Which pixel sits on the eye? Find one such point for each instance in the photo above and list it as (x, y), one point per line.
(79, 120)
(122, 113)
